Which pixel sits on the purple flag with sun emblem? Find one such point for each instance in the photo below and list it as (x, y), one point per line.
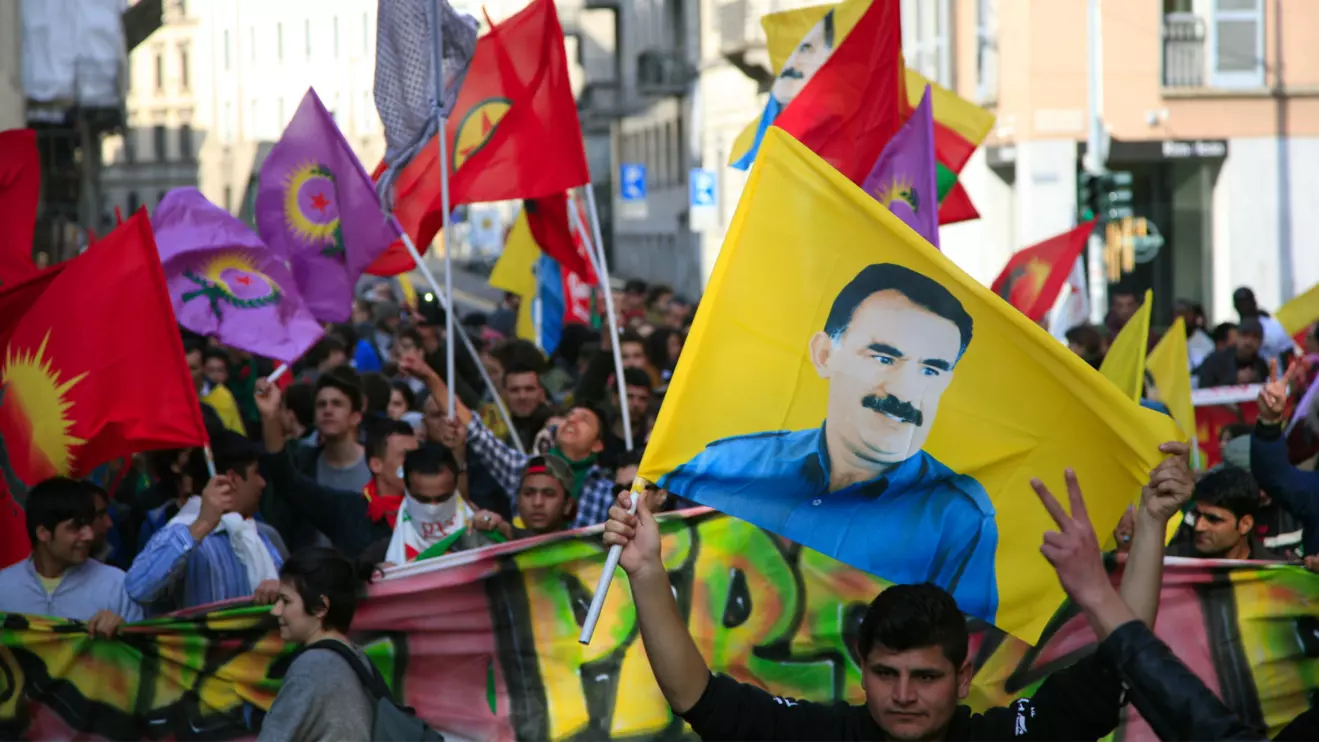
(225, 283)
(317, 207)
(903, 177)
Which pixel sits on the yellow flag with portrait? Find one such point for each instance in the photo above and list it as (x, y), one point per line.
(848, 387)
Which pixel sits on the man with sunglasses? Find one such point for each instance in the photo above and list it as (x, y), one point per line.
(1223, 509)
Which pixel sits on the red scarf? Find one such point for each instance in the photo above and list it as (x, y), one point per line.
(381, 506)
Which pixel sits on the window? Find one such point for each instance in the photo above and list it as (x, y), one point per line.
(987, 50)
(133, 202)
(130, 145)
(279, 41)
(184, 78)
(185, 142)
(226, 50)
(306, 28)
(1236, 44)
(670, 155)
(160, 145)
(229, 198)
(160, 71)
(336, 37)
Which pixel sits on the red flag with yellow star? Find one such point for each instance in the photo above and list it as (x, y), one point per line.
(514, 132)
(91, 363)
(1033, 276)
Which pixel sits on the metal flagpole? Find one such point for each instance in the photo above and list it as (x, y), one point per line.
(441, 141)
(1094, 160)
(467, 342)
(602, 272)
(615, 552)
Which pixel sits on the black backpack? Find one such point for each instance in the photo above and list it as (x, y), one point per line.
(393, 722)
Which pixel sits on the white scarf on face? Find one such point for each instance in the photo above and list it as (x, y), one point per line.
(243, 537)
(420, 526)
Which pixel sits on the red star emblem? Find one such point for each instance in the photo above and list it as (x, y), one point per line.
(319, 202)
(244, 280)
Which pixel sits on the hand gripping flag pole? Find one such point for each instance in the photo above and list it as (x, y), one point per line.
(638, 485)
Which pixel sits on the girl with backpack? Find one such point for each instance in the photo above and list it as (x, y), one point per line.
(331, 691)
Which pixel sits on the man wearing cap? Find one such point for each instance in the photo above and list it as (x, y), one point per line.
(544, 502)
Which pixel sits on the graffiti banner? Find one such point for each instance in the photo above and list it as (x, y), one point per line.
(484, 645)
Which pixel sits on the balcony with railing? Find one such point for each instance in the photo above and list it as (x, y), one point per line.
(1183, 51)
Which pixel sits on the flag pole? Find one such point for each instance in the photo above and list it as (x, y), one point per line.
(467, 342)
(280, 371)
(602, 273)
(441, 142)
(615, 552)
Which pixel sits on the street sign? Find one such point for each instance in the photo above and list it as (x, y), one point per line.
(633, 178)
(702, 188)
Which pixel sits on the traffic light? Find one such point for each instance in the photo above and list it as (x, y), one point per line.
(1113, 199)
(1086, 188)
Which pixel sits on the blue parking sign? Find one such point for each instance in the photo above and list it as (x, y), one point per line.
(633, 178)
(702, 187)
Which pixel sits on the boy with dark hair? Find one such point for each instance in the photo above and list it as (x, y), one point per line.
(213, 549)
(60, 579)
(338, 461)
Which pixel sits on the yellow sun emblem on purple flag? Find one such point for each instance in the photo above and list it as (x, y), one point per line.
(311, 208)
(900, 189)
(36, 402)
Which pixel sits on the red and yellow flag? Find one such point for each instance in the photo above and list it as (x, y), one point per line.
(1034, 275)
(514, 132)
(91, 363)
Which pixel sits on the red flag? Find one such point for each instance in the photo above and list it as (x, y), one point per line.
(852, 106)
(20, 188)
(92, 365)
(1034, 275)
(551, 227)
(514, 132)
(956, 206)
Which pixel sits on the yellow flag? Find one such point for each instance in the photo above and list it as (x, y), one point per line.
(1301, 312)
(942, 401)
(515, 272)
(409, 291)
(784, 32)
(1124, 365)
(1169, 367)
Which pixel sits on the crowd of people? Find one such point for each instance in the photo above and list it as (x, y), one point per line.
(355, 462)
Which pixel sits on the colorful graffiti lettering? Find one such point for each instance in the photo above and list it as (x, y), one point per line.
(484, 645)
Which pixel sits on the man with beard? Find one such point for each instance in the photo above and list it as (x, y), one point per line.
(859, 487)
(1223, 509)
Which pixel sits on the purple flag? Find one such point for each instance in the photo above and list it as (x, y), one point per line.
(903, 176)
(317, 207)
(225, 282)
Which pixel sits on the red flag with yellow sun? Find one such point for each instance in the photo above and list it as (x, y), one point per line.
(91, 363)
(1034, 275)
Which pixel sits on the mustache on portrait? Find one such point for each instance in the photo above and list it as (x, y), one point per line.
(891, 405)
(792, 73)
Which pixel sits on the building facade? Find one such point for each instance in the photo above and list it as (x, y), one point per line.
(12, 99)
(1211, 105)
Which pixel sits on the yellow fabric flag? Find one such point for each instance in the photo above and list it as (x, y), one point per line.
(942, 401)
(1124, 365)
(784, 32)
(515, 272)
(409, 291)
(1168, 366)
(1299, 313)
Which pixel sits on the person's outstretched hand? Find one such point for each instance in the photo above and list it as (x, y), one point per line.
(1073, 549)
(639, 536)
(1273, 395)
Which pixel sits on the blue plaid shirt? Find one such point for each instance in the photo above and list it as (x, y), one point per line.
(209, 569)
(506, 465)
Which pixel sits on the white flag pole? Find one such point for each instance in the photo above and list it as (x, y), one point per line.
(596, 249)
(443, 298)
(615, 552)
(441, 142)
(282, 369)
